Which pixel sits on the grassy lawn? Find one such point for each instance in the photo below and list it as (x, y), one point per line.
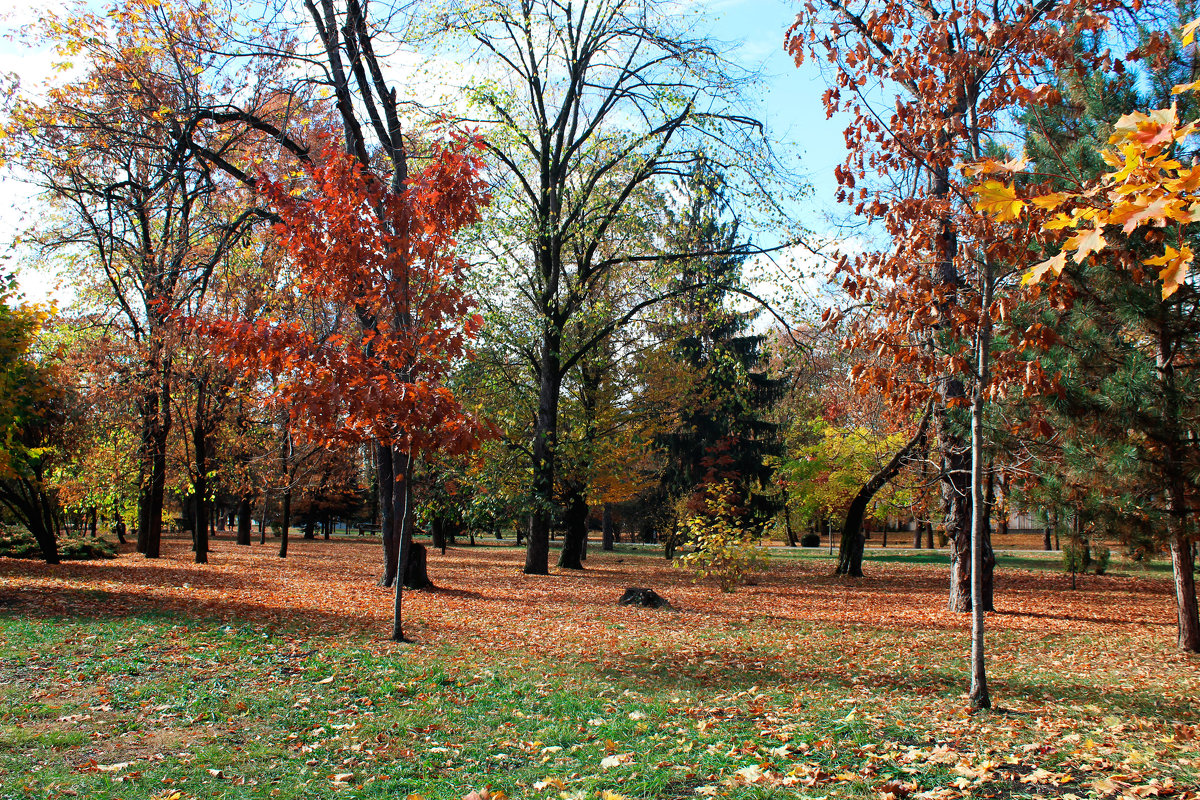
(166, 681)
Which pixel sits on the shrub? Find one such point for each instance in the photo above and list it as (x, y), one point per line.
(19, 543)
(1100, 559)
(810, 540)
(723, 549)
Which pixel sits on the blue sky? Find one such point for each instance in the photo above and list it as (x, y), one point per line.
(791, 105)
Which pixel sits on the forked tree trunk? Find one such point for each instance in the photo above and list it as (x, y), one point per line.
(850, 552)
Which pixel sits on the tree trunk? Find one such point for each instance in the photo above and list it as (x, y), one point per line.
(119, 525)
(850, 551)
(310, 525)
(537, 553)
(245, 520)
(1182, 558)
(402, 517)
(387, 529)
(285, 523)
(1051, 524)
(437, 533)
(200, 445)
(980, 505)
(792, 539)
(917, 535)
(606, 531)
(93, 523)
(1183, 565)
(956, 502)
(156, 428)
(575, 518)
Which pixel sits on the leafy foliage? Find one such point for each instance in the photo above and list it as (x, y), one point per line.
(724, 548)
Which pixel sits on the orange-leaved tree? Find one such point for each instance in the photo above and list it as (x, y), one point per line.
(361, 251)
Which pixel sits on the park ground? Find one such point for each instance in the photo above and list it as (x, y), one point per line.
(256, 677)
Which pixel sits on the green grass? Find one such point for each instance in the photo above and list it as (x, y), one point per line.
(210, 709)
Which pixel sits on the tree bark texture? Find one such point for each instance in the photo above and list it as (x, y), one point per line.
(575, 519)
(386, 480)
(200, 446)
(980, 505)
(537, 552)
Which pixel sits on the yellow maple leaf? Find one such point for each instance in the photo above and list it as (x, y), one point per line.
(998, 199)
(1049, 201)
(1038, 271)
(1085, 243)
(1174, 265)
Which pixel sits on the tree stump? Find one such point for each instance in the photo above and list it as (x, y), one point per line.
(645, 598)
(416, 573)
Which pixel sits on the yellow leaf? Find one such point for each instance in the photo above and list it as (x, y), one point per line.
(1060, 221)
(1049, 201)
(1174, 265)
(1188, 34)
(1038, 271)
(1085, 243)
(999, 200)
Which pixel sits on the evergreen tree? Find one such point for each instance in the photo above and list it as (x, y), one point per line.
(723, 432)
(1128, 356)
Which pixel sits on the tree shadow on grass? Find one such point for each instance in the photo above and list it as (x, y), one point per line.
(90, 604)
(664, 670)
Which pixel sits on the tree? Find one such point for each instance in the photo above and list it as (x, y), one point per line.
(587, 105)
(947, 76)
(1136, 220)
(359, 248)
(32, 421)
(135, 204)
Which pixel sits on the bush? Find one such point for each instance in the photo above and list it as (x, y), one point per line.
(723, 549)
(1100, 559)
(19, 543)
(810, 540)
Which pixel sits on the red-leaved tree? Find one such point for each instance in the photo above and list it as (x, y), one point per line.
(387, 313)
